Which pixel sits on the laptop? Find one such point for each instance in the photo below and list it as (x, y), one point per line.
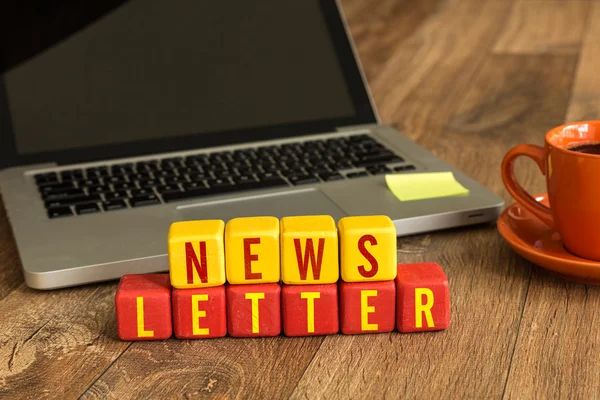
(160, 111)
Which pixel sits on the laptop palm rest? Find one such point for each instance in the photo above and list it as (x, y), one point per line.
(299, 202)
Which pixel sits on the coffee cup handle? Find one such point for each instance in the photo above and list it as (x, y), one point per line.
(536, 153)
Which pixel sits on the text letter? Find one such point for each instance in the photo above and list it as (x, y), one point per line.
(363, 250)
(255, 321)
(421, 308)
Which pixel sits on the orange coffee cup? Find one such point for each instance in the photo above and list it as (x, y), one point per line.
(573, 182)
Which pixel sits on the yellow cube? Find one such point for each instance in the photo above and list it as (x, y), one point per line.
(367, 248)
(252, 250)
(196, 254)
(309, 250)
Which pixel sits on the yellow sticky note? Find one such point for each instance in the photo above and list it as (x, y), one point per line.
(428, 185)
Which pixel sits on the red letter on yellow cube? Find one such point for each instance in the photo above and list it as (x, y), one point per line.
(367, 248)
(252, 250)
(423, 298)
(309, 250)
(196, 254)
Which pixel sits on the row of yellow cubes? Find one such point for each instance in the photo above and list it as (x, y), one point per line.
(295, 250)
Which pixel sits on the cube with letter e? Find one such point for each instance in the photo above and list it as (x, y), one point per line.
(423, 298)
(196, 254)
(252, 250)
(367, 248)
(199, 313)
(367, 307)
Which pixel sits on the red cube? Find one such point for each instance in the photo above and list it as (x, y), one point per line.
(310, 310)
(254, 310)
(423, 298)
(199, 313)
(143, 307)
(367, 307)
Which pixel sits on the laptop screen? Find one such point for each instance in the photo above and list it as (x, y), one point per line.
(183, 72)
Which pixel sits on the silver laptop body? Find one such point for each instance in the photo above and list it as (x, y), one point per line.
(104, 245)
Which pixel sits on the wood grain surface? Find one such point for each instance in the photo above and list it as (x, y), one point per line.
(467, 80)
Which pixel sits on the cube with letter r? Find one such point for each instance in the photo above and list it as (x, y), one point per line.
(423, 298)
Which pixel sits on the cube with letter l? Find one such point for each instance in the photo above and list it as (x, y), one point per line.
(143, 307)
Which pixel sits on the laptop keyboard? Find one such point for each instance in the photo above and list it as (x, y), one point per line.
(155, 181)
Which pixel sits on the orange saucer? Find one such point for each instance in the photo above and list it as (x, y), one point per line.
(541, 245)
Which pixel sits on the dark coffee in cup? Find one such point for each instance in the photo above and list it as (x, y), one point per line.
(589, 148)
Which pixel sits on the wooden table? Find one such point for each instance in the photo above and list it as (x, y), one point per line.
(465, 79)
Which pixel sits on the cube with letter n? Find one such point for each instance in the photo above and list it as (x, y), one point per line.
(423, 298)
(196, 254)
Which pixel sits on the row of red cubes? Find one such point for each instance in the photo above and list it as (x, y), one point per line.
(148, 308)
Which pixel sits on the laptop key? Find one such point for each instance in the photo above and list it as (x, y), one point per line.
(375, 160)
(148, 183)
(116, 195)
(115, 179)
(244, 179)
(98, 189)
(330, 176)
(140, 192)
(168, 189)
(123, 186)
(88, 182)
(46, 179)
(66, 201)
(302, 179)
(87, 208)
(378, 169)
(404, 168)
(188, 194)
(144, 200)
(63, 194)
(59, 187)
(58, 212)
(112, 205)
(357, 174)
(219, 183)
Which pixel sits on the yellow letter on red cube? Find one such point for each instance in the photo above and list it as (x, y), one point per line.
(252, 250)
(309, 250)
(367, 248)
(196, 254)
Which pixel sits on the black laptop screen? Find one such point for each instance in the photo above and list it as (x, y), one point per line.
(177, 72)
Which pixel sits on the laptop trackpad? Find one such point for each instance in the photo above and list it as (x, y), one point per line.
(300, 202)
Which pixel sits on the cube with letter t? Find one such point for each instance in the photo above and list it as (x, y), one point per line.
(254, 310)
(423, 298)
